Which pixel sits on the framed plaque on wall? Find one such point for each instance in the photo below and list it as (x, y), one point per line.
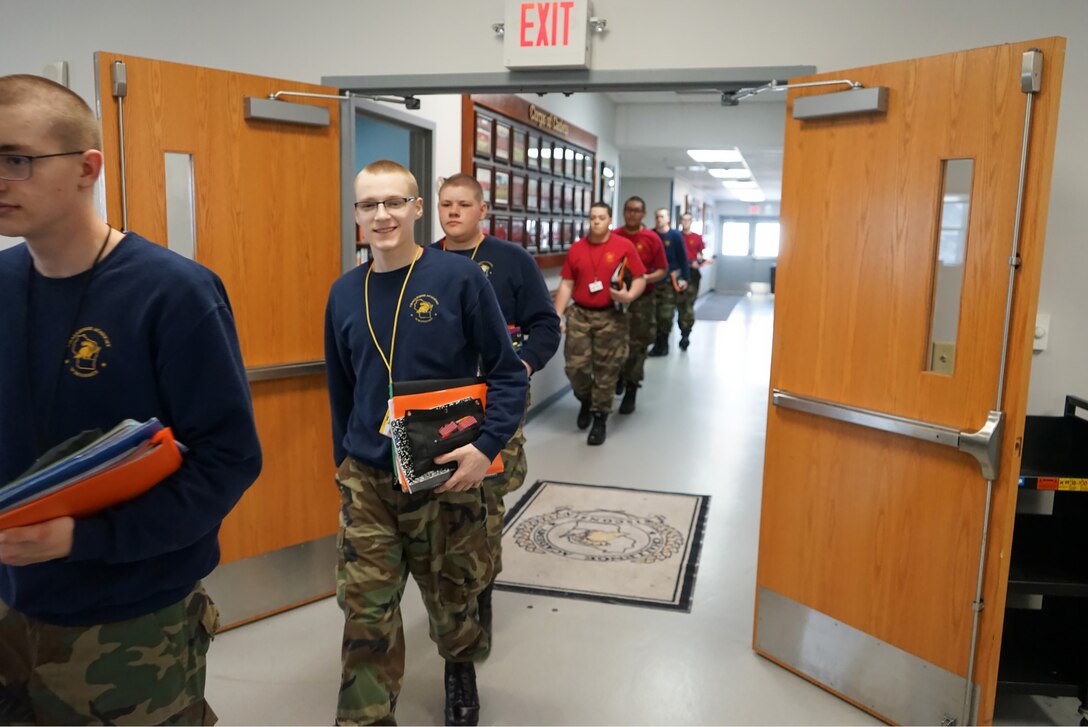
(483, 136)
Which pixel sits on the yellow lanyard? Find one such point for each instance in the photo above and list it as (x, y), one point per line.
(474, 250)
(396, 316)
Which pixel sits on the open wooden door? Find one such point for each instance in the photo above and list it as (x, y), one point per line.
(263, 212)
(876, 491)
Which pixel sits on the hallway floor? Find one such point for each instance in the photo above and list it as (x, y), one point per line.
(699, 428)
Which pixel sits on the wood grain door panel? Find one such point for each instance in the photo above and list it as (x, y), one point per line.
(267, 222)
(872, 529)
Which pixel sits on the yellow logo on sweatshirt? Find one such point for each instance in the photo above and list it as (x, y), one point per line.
(85, 349)
(424, 308)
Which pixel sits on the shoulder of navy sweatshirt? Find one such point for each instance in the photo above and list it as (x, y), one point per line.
(167, 348)
(449, 326)
(676, 252)
(523, 295)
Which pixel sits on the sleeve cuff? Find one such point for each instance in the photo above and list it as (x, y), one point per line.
(89, 538)
(489, 445)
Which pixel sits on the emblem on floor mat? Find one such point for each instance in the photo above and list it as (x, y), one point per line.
(600, 535)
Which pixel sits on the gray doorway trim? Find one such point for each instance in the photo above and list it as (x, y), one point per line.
(723, 80)
(421, 163)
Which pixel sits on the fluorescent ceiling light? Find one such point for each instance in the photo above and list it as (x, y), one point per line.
(750, 195)
(736, 184)
(715, 155)
(741, 173)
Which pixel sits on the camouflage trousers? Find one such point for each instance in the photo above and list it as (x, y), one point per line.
(665, 304)
(642, 329)
(514, 469)
(595, 350)
(685, 302)
(384, 534)
(143, 671)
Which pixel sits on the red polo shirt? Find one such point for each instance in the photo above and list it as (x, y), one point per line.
(650, 250)
(694, 242)
(588, 262)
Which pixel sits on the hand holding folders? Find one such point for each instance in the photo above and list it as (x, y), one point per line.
(91, 474)
(431, 418)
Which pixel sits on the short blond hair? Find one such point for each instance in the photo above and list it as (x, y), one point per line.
(464, 181)
(69, 119)
(388, 166)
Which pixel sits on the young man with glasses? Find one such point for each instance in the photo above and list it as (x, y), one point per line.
(685, 301)
(641, 314)
(596, 344)
(411, 314)
(103, 618)
(665, 295)
(530, 317)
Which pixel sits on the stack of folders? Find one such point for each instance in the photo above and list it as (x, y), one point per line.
(621, 278)
(431, 418)
(89, 473)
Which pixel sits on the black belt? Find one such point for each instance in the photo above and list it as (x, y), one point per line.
(586, 307)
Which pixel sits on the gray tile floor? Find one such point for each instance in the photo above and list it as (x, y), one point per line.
(699, 428)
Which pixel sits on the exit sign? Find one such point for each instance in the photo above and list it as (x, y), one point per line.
(546, 34)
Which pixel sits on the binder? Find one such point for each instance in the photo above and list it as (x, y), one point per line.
(433, 417)
(129, 473)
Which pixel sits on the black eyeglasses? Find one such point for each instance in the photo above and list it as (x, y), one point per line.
(17, 167)
(391, 205)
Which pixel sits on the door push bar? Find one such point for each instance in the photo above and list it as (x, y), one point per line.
(984, 445)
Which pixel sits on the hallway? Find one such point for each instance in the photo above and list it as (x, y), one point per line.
(699, 429)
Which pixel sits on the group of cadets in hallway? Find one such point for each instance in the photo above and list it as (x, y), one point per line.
(79, 596)
(620, 291)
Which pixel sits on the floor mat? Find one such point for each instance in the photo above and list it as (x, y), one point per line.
(611, 544)
(715, 307)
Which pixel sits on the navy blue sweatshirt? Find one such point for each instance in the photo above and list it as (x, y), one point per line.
(449, 321)
(523, 296)
(167, 349)
(676, 252)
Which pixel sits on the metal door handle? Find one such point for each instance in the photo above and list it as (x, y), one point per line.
(984, 445)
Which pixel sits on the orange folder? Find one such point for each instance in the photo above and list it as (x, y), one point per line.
(401, 403)
(135, 475)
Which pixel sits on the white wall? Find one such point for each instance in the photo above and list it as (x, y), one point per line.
(337, 37)
(655, 192)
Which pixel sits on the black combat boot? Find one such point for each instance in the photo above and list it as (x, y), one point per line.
(597, 431)
(661, 347)
(483, 609)
(684, 342)
(462, 700)
(620, 385)
(628, 404)
(584, 414)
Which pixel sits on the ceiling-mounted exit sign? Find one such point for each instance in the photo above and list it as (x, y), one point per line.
(546, 34)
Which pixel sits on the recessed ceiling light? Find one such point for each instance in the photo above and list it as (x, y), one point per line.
(749, 195)
(737, 184)
(715, 155)
(742, 173)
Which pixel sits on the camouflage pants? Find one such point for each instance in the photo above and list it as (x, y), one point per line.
(385, 534)
(642, 328)
(595, 350)
(514, 469)
(685, 303)
(665, 304)
(143, 671)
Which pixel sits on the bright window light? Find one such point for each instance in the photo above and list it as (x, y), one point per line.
(735, 239)
(767, 234)
(704, 156)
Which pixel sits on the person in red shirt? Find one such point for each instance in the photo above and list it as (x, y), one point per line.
(594, 277)
(685, 300)
(641, 318)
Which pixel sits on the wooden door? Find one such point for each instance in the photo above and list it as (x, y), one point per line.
(870, 541)
(268, 223)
